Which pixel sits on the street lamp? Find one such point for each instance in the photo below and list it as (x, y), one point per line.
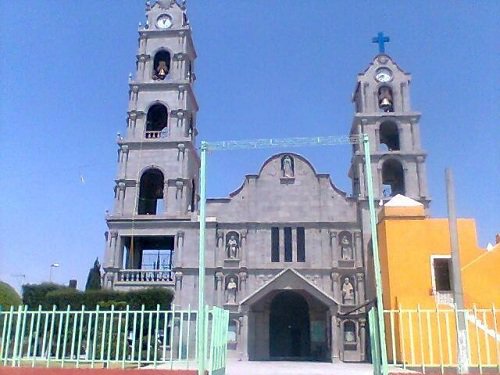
(52, 266)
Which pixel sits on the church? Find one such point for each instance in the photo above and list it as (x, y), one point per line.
(287, 253)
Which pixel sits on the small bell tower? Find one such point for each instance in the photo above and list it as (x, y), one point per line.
(157, 174)
(383, 111)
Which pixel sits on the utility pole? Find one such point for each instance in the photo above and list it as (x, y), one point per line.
(456, 274)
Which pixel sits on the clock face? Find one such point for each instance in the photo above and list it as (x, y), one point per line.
(383, 75)
(164, 21)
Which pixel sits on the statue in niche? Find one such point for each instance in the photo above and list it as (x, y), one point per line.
(232, 245)
(346, 247)
(161, 71)
(231, 290)
(347, 292)
(287, 168)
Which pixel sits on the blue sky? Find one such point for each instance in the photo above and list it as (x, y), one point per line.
(264, 69)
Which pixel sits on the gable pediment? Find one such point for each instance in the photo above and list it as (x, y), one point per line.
(288, 279)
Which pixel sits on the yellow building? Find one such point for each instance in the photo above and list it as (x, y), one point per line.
(416, 270)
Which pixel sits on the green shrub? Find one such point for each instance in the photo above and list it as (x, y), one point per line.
(8, 296)
(35, 294)
(48, 295)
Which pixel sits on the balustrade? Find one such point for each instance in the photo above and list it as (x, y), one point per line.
(145, 276)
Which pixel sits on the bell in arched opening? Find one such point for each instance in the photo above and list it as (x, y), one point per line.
(385, 100)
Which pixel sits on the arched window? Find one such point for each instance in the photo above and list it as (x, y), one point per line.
(157, 121)
(385, 99)
(393, 178)
(151, 193)
(389, 135)
(161, 65)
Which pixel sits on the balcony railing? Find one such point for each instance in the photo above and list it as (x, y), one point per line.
(145, 276)
(154, 134)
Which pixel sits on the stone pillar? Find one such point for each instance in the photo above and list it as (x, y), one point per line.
(334, 248)
(243, 337)
(421, 176)
(362, 338)
(335, 337)
(120, 197)
(358, 249)
(113, 259)
(123, 160)
(179, 251)
(243, 249)
(360, 281)
(219, 286)
(178, 286)
(243, 275)
(335, 286)
(179, 195)
(362, 177)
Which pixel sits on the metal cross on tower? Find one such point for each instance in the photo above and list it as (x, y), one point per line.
(381, 39)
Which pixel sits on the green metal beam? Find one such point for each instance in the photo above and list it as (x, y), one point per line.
(202, 340)
(376, 257)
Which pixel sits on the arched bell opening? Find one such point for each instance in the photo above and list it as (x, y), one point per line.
(393, 178)
(151, 193)
(389, 136)
(385, 99)
(156, 121)
(161, 65)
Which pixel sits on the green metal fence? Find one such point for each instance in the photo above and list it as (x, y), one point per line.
(426, 339)
(111, 338)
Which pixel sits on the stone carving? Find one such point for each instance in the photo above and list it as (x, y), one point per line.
(232, 245)
(231, 290)
(347, 292)
(287, 166)
(349, 332)
(346, 246)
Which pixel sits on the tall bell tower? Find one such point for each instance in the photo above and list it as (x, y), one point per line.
(383, 111)
(157, 176)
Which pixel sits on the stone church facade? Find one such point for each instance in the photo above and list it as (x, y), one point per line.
(287, 253)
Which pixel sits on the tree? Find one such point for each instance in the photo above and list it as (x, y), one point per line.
(94, 278)
(8, 296)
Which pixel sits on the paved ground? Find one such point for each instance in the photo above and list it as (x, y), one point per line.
(235, 367)
(296, 368)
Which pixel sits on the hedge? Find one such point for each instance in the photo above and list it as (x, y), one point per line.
(105, 298)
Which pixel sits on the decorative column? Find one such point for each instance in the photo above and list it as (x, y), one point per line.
(114, 259)
(243, 275)
(243, 337)
(219, 287)
(358, 249)
(179, 194)
(243, 249)
(421, 176)
(334, 248)
(179, 250)
(123, 160)
(362, 338)
(120, 197)
(360, 281)
(178, 286)
(335, 285)
(335, 336)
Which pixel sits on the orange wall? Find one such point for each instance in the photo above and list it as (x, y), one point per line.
(407, 240)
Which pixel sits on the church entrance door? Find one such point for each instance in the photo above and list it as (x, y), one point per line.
(289, 327)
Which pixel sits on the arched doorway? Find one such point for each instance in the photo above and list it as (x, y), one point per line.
(289, 332)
